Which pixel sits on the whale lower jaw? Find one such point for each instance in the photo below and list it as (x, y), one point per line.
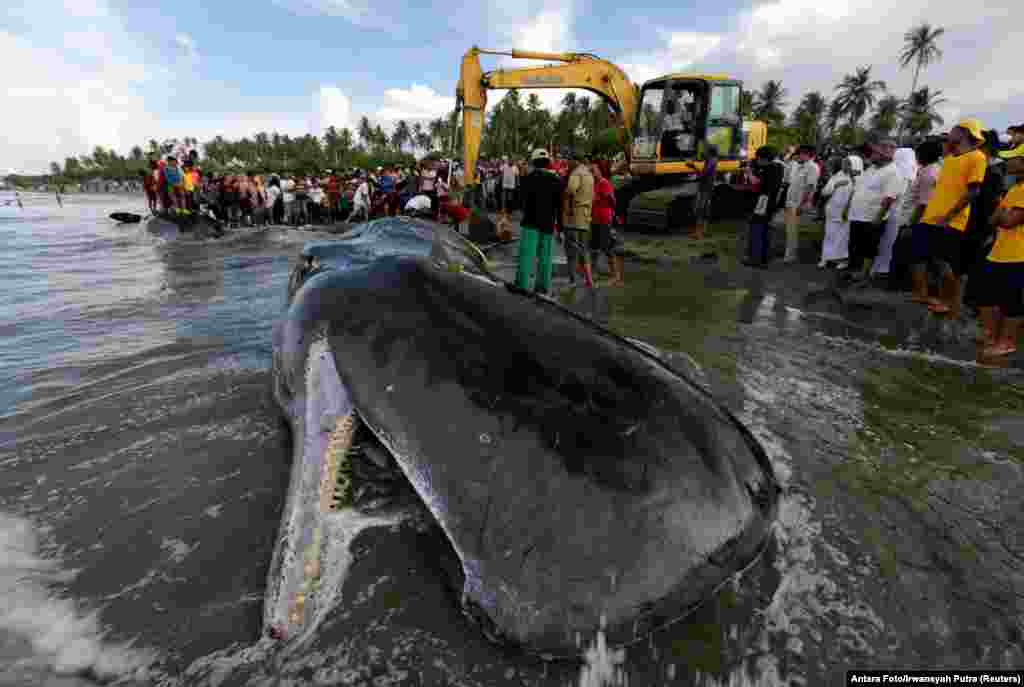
(312, 555)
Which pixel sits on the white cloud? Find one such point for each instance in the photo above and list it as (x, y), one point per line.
(331, 107)
(73, 97)
(545, 26)
(353, 10)
(812, 44)
(187, 45)
(681, 50)
(418, 102)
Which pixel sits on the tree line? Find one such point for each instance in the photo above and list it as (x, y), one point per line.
(817, 120)
(514, 127)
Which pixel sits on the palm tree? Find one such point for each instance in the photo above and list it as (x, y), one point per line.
(365, 131)
(857, 94)
(417, 137)
(437, 131)
(919, 112)
(807, 117)
(401, 135)
(886, 115)
(380, 139)
(423, 140)
(920, 46)
(769, 101)
(747, 103)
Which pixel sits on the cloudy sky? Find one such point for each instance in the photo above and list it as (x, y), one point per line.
(115, 73)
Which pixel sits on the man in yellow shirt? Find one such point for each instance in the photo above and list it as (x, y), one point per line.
(188, 183)
(579, 194)
(940, 234)
(1001, 300)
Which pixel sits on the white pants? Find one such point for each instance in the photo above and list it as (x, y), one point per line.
(792, 234)
(837, 239)
(884, 257)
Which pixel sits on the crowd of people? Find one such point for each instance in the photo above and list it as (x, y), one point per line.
(583, 210)
(891, 213)
(432, 188)
(951, 205)
(571, 199)
(176, 187)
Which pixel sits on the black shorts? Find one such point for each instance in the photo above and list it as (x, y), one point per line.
(865, 238)
(972, 252)
(600, 238)
(1000, 284)
(930, 242)
(702, 204)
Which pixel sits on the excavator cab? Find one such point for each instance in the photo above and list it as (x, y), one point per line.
(680, 116)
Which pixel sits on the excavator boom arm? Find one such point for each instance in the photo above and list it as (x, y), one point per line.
(578, 71)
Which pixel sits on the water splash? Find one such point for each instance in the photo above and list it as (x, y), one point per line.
(603, 667)
(42, 634)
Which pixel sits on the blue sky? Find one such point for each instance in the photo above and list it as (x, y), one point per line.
(81, 73)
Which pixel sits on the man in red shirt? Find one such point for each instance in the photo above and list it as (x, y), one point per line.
(602, 238)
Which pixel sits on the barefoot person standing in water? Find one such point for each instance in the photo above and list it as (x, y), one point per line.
(1001, 275)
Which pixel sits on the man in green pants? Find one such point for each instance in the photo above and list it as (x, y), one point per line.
(541, 193)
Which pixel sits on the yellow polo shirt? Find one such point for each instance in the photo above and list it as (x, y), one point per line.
(958, 171)
(1009, 245)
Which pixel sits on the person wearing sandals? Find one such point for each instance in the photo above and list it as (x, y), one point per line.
(1001, 276)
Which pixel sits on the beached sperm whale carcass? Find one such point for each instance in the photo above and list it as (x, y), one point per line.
(580, 481)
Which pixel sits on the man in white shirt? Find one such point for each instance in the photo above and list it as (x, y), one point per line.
(361, 200)
(876, 191)
(509, 181)
(270, 199)
(803, 182)
(288, 198)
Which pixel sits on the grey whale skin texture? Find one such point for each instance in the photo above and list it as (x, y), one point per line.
(193, 226)
(580, 481)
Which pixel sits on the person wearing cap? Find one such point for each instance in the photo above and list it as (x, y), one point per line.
(541, 196)
(940, 234)
(1000, 292)
(979, 228)
(577, 209)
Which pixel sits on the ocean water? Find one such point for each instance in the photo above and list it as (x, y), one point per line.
(144, 468)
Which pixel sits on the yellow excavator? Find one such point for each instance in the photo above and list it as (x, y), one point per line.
(665, 125)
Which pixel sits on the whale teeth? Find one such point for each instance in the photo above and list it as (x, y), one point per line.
(336, 486)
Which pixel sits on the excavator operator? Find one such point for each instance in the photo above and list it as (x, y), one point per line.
(680, 132)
